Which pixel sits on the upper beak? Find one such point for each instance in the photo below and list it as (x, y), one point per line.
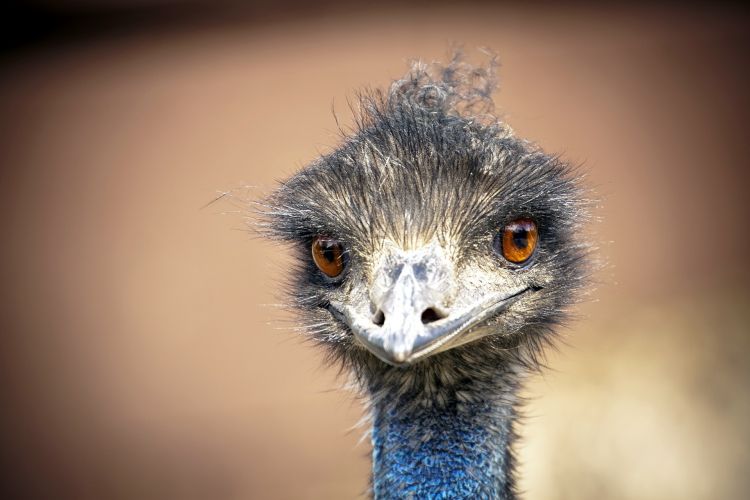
(404, 314)
(410, 299)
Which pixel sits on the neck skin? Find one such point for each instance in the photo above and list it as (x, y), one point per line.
(443, 439)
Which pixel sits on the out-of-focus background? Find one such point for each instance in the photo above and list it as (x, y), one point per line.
(141, 355)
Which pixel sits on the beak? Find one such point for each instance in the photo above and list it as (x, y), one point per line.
(403, 312)
(411, 317)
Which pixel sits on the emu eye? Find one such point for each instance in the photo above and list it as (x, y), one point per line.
(518, 240)
(328, 255)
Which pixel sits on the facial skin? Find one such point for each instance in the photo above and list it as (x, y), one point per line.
(421, 301)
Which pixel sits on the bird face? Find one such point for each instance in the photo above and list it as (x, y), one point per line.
(414, 302)
(423, 233)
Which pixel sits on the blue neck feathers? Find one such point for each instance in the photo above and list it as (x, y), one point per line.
(452, 444)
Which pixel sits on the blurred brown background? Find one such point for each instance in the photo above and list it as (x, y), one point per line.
(141, 356)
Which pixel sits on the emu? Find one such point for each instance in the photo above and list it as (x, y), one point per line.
(436, 253)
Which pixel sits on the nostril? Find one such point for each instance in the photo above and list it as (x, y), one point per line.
(379, 318)
(429, 315)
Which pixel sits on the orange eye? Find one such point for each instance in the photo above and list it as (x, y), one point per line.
(328, 255)
(519, 240)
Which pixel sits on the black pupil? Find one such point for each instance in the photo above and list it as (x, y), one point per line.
(520, 238)
(329, 250)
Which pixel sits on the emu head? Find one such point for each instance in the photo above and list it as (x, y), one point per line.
(432, 229)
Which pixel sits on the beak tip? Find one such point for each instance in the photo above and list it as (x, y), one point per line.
(400, 355)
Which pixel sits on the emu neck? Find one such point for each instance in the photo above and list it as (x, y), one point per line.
(447, 442)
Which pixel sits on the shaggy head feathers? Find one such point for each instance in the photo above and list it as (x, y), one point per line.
(428, 162)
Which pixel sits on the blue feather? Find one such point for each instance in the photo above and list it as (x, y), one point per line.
(451, 451)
